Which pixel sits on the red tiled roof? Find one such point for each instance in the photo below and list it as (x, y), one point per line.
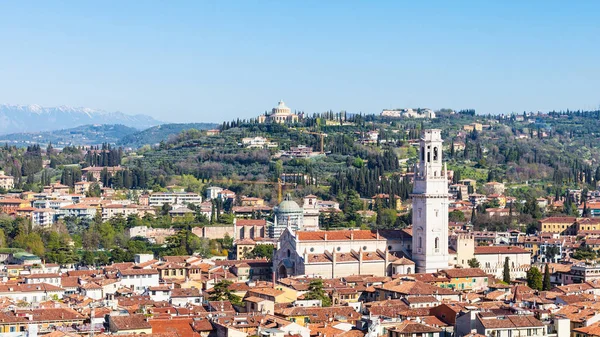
(500, 250)
(250, 222)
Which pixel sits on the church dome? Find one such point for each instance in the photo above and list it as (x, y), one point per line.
(282, 109)
(288, 206)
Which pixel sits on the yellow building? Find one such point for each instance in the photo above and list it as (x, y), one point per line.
(558, 225)
(386, 199)
(274, 295)
(46, 319)
(587, 224)
(172, 271)
(470, 279)
(251, 201)
(243, 247)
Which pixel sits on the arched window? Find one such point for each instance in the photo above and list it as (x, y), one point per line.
(420, 242)
(408, 270)
(435, 154)
(423, 153)
(289, 253)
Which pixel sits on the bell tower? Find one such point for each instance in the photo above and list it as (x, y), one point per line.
(430, 206)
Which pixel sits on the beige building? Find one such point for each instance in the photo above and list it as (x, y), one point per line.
(340, 253)
(494, 187)
(279, 114)
(112, 210)
(464, 245)
(6, 182)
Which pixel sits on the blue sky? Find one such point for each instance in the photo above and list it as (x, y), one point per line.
(214, 60)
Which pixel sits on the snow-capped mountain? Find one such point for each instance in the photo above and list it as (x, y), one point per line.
(34, 118)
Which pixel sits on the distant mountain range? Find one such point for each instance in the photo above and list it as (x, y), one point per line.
(34, 118)
(120, 135)
(81, 135)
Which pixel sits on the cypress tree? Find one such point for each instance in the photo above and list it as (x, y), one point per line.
(546, 283)
(506, 272)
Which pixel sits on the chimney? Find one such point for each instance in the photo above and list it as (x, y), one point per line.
(325, 236)
(351, 235)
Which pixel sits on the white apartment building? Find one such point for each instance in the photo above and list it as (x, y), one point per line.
(51, 204)
(78, 210)
(31, 293)
(258, 142)
(139, 279)
(173, 198)
(112, 210)
(43, 217)
(213, 192)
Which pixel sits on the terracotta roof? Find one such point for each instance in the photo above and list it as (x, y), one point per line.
(175, 326)
(321, 314)
(185, 292)
(130, 322)
(464, 272)
(510, 322)
(559, 219)
(415, 288)
(412, 327)
(344, 235)
(250, 222)
(500, 250)
(138, 271)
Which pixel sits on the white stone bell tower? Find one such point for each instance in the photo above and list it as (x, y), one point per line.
(430, 206)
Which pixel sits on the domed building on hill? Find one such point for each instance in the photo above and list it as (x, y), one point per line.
(287, 214)
(279, 114)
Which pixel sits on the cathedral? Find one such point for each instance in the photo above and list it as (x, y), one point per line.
(381, 253)
(430, 206)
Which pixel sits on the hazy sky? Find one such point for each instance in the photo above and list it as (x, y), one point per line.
(214, 60)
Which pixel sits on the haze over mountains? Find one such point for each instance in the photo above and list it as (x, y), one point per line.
(35, 118)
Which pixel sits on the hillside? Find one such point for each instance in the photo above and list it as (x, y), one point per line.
(156, 134)
(81, 135)
(34, 118)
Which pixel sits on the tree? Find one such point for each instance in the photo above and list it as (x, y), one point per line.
(534, 278)
(546, 285)
(316, 292)
(473, 263)
(584, 253)
(88, 258)
(457, 216)
(221, 292)
(261, 251)
(506, 272)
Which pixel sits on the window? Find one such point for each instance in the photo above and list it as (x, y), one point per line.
(435, 154)
(420, 242)
(437, 243)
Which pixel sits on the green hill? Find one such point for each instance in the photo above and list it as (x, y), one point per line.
(156, 134)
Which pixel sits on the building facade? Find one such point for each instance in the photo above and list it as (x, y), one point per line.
(279, 114)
